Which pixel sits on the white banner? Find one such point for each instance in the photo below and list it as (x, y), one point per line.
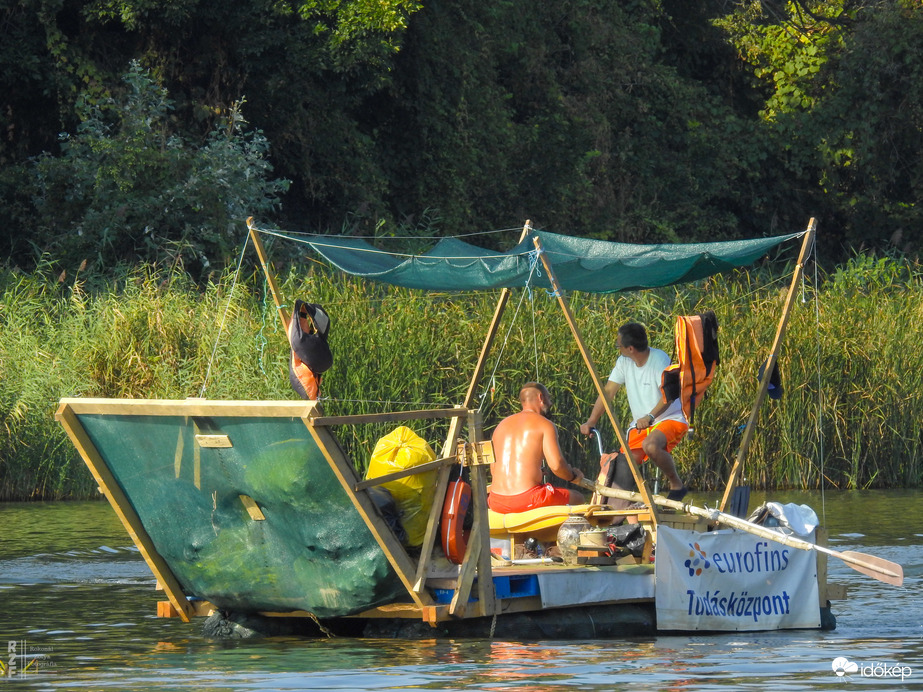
(732, 580)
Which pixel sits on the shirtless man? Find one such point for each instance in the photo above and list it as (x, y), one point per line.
(521, 442)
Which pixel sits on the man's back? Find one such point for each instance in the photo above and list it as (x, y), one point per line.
(519, 448)
(521, 442)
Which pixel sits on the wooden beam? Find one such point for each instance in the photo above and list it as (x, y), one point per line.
(455, 429)
(346, 474)
(435, 613)
(424, 414)
(432, 526)
(165, 609)
(476, 562)
(453, 433)
(252, 508)
(124, 510)
(737, 469)
(190, 407)
(455, 425)
(213, 441)
(422, 468)
(623, 440)
(178, 452)
(820, 538)
(267, 271)
(391, 610)
(407, 611)
(459, 605)
(487, 594)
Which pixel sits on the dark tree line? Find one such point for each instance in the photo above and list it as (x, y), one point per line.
(147, 129)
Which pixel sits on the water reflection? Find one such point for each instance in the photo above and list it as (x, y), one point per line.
(69, 580)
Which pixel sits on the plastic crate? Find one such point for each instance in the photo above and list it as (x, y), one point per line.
(506, 586)
(516, 585)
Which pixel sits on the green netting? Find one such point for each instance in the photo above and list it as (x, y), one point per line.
(312, 552)
(580, 264)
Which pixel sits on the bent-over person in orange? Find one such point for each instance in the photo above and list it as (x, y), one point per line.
(521, 442)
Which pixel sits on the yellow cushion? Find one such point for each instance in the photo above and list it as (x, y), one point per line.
(541, 522)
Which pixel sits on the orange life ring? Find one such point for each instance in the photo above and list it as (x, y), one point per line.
(454, 511)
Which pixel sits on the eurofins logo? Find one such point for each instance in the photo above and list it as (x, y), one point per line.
(698, 560)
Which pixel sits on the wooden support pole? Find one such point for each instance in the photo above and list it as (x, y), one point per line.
(267, 270)
(434, 465)
(124, 510)
(737, 470)
(455, 426)
(452, 436)
(565, 307)
(876, 567)
(487, 594)
(343, 470)
(432, 526)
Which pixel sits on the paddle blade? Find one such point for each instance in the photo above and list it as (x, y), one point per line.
(875, 567)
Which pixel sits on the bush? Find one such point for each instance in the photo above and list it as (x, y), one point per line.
(127, 187)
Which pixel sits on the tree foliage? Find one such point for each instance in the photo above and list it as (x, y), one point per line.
(564, 114)
(843, 101)
(127, 186)
(647, 120)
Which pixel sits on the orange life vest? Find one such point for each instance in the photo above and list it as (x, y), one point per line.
(307, 335)
(308, 384)
(696, 359)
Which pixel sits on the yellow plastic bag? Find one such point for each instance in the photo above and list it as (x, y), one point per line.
(403, 449)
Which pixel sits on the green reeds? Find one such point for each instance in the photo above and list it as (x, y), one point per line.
(851, 364)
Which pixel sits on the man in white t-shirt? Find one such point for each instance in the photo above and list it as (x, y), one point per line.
(658, 427)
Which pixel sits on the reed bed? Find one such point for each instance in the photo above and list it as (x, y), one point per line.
(851, 364)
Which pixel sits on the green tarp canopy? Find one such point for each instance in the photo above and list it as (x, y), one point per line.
(580, 264)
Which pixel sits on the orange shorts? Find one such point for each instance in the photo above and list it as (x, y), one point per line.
(545, 495)
(674, 431)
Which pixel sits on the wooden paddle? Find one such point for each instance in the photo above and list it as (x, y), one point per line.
(875, 567)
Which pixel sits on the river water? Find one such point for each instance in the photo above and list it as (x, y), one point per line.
(77, 599)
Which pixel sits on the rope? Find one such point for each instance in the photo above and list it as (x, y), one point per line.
(224, 317)
(534, 268)
(534, 337)
(493, 626)
(261, 341)
(506, 338)
(370, 250)
(330, 635)
(398, 237)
